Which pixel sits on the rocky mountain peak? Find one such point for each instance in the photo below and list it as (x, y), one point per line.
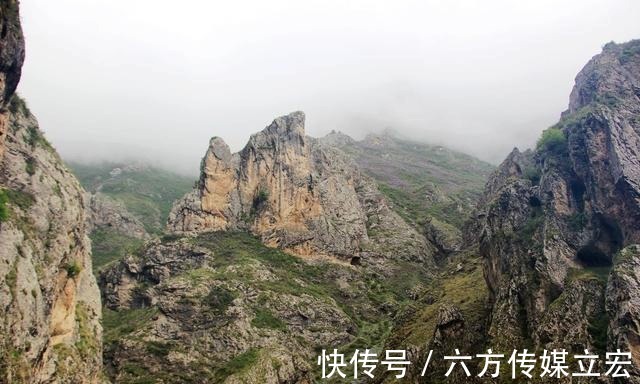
(558, 225)
(610, 76)
(295, 193)
(219, 148)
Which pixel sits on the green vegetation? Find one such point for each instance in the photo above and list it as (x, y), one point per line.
(261, 197)
(35, 137)
(147, 192)
(219, 299)
(533, 174)
(552, 140)
(23, 200)
(18, 105)
(630, 50)
(87, 342)
(159, 348)
(237, 365)
(577, 221)
(530, 228)
(30, 166)
(598, 331)
(422, 181)
(73, 269)
(265, 319)
(18, 199)
(108, 245)
(4, 210)
(118, 324)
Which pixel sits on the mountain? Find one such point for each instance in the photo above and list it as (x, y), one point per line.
(145, 191)
(50, 312)
(298, 195)
(294, 245)
(281, 250)
(559, 225)
(127, 203)
(431, 187)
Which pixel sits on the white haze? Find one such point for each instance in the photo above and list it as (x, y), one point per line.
(154, 80)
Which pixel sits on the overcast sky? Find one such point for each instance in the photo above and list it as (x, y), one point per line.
(156, 79)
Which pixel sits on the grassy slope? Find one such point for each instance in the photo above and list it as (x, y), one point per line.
(147, 192)
(424, 182)
(370, 307)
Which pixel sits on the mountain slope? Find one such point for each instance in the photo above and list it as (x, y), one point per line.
(424, 180)
(433, 188)
(49, 300)
(147, 192)
(50, 329)
(560, 247)
(221, 284)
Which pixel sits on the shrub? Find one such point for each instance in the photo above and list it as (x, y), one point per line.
(73, 269)
(4, 210)
(265, 319)
(261, 197)
(533, 174)
(577, 221)
(30, 166)
(219, 299)
(552, 140)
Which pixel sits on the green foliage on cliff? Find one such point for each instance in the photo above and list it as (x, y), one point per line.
(4, 210)
(73, 269)
(18, 199)
(552, 140)
(265, 319)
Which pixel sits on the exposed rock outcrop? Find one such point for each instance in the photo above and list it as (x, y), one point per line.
(105, 212)
(623, 306)
(298, 195)
(221, 307)
(49, 300)
(11, 59)
(552, 221)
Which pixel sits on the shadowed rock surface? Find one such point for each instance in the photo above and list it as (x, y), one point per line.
(553, 222)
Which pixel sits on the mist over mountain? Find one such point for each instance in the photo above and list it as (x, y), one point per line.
(158, 79)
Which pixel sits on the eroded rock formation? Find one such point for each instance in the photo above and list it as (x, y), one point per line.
(553, 222)
(11, 59)
(49, 300)
(298, 195)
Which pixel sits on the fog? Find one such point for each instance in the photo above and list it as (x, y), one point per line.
(154, 80)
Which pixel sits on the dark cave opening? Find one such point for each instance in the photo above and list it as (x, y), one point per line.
(592, 256)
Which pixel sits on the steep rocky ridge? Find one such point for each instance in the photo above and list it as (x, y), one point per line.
(554, 221)
(11, 59)
(50, 303)
(296, 194)
(49, 300)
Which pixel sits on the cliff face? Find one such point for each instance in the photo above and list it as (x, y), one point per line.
(11, 59)
(555, 221)
(49, 300)
(298, 195)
